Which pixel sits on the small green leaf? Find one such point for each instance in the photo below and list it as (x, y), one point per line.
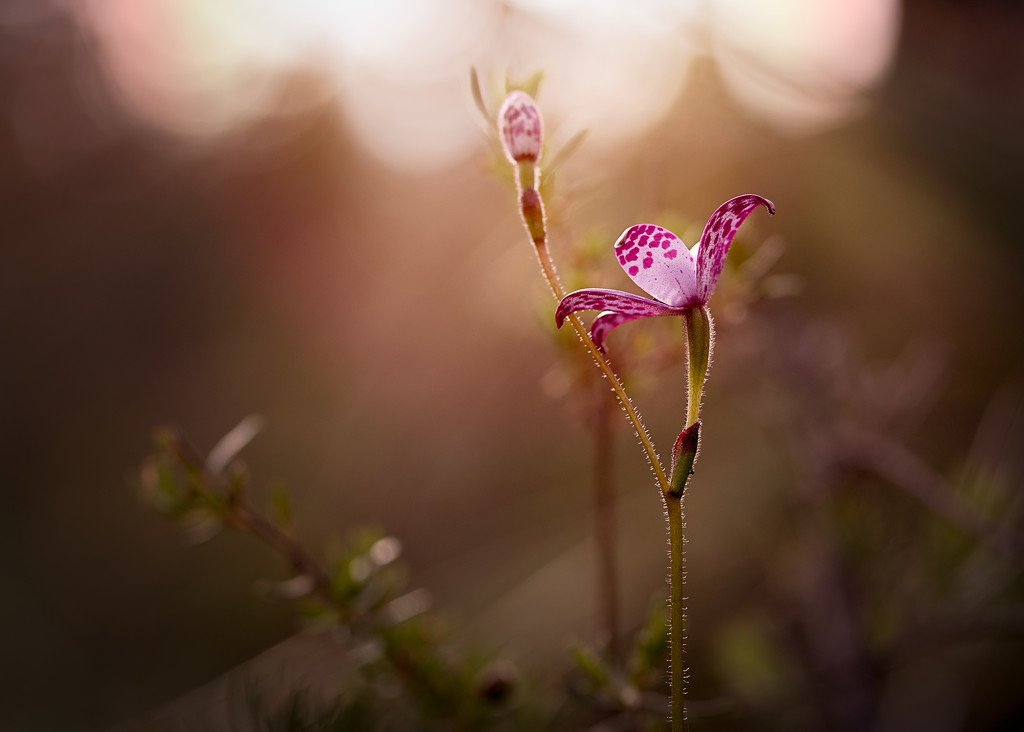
(280, 508)
(478, 97)
(566, 150)
(200, 525)
(590, 665)
(651, 647)
(238, 481)
(750, 661)
(531, 85)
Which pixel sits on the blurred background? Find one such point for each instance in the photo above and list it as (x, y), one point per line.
(212, 209)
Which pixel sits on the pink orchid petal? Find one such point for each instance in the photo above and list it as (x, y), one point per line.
(621, 307)
(606, 322)
(718, 235)
(657, 261)
(614, 300)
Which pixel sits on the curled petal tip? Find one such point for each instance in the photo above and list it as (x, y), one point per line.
(751, 201)
(718, 235)
(560, 313)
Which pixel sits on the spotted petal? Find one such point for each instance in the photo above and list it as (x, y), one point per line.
(656, 260)
(718, 235)
(619, 307)
(605, 323)
(521, 127)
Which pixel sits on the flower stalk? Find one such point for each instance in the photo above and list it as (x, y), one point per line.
(520, 128)
(699, 334)
(677, 611)
(698, 349)
(681, 281)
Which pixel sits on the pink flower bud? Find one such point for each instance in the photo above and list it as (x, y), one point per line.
(521, 127)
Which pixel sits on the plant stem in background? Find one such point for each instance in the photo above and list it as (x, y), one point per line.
(604, 520)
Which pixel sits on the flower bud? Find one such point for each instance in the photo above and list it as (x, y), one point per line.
(684, 452)
(520, 127)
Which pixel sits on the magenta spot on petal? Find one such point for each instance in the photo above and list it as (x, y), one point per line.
(648, 262)
(671, 254)
(643, 241)
(631, 255)
(622, 259)
(665, 244)
(633, 270)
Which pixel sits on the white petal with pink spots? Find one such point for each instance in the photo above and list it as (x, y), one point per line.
(658, 261)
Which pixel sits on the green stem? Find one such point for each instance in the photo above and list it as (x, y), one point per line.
(698, 328)
(677, 627)
(698, 349)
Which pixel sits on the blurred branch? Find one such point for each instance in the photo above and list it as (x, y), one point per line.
(390, 634)
(963, 628)
(243, 516)
(902, 468)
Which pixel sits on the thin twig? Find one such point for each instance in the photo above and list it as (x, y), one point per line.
(243, 516)
(901, 467)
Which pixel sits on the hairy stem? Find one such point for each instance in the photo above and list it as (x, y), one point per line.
(677, 612)
(531, 207)
(698, 350)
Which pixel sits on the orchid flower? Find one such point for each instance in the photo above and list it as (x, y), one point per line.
(679, 279)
